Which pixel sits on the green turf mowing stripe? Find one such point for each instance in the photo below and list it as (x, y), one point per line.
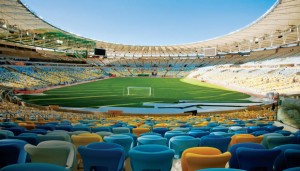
(109, 92)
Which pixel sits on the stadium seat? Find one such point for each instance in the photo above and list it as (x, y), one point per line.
(125, 141)
(33, 167)
(139, 131)
(151, 157)
(256, 159)
(292, 158)
(152, 139)
(216, 141)
(280, 163)
(170, 134)
(181, 143)
(203, 157)
(160, 130)
(274, 141)
(12, 152)
(61, 153)
(198, 133)
(233, 162)
(102, 156)
(120, 130)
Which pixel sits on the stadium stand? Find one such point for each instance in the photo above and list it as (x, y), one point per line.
(255, 138)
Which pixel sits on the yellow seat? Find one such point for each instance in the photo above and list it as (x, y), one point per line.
(83, 140)
(139, 131)
(203, 157)
(240, 138)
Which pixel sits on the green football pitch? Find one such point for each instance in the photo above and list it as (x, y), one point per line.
(113, 92)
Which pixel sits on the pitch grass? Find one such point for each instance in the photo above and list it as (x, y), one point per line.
(109, 92)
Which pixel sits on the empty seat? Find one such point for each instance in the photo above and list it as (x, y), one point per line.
(61, 153)
(152, 139)
(280, 163)
(125, 141)
(12, 152)
(102, 156)
(181, 143)
(256, 159)
(274, 141)
(203, 157)
(215, 141)
(139, 131)
(33, 167)
(151, 157)
(233, 162)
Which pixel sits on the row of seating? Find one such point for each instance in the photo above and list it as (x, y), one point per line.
(111, 155)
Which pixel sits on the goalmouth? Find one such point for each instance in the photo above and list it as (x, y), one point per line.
(138, 91)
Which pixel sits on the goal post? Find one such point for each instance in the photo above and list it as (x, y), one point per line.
(138, 91)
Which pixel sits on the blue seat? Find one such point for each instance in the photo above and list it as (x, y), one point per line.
(212, 124)
(258, 133)
(64, 127)
(12, 152)
(7, 133)
(284, 132)
(219, 129)
(237, 128)
(161, 131)
(47, 127)
(151, 157)
(274, 141)
(181, 129)
(272, 128)
(204, 128)
(216, 141)
(29, 139)
(198, 133)
(264, 141)
(224, 134)
(102, 128)
(134, 137)
(220, 169)
(102, 156)
(293, 169)
(280, 163)
(256, 159)
(16, 130)
(125, 141)
(81, 127)
(181, 143)
(233, 162)
(170, 134)
(292, 158)
(33, 167)
(3, 136)
(152, 139)
(38, 131)
(8, 124)
(255, 128)
(120, 130)
(150, 133)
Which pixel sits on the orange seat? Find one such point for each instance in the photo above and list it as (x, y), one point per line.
(139, 131)
(203, 157)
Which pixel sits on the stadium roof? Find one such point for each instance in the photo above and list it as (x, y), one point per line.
(279, 26)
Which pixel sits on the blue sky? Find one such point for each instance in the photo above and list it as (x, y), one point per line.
(150, 22)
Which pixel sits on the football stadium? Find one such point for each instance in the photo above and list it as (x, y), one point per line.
(192, 85)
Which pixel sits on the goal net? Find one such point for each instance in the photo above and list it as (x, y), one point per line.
(138, 91)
